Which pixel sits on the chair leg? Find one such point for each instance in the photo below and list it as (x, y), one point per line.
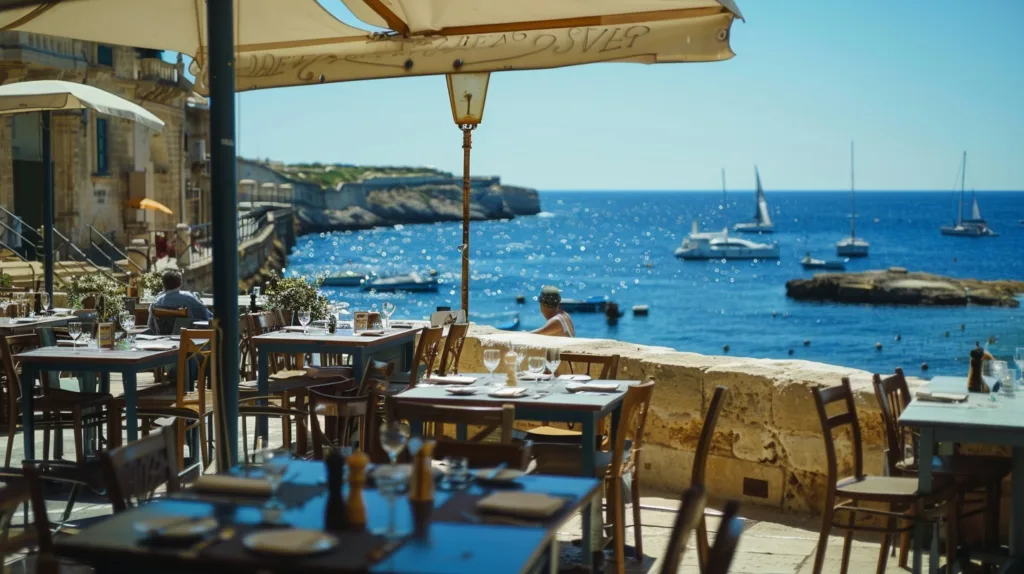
(848, 540)
(203, 455)
(47, 432)
(180, 440)
(883, 550)
(952, 534)
(638, 540)
(113, 426)
(905, 547)
(703, 547)
(12, 429)
(615, 505)
(76, 429)
(819, 554)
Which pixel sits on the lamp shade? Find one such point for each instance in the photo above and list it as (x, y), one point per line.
(468, 92)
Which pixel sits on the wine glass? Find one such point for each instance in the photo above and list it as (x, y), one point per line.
(535, 365)
(997, 372)
(274, 463)
(391, 482)
(1018, 358)
(552, 358)
(75, 330)
(393, 438)
(343, 312)
(520, 356)
(304, 317)
(44, 301)
(492, 358)
(388, 308)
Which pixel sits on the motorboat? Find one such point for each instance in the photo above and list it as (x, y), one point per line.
(345, 279)
(512, 325)
(975, 226)
(832, 265)
(595, 304)
(719, 245)
(762, 222)
(411, 282)
(852, 246)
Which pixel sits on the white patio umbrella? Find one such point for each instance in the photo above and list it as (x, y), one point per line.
(55, 95)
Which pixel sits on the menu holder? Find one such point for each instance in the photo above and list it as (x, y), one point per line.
(105, 335)
(360, 321)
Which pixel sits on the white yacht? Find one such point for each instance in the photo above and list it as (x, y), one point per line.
(852, 246)
(976, 226)
(718, 245)
(762, 222)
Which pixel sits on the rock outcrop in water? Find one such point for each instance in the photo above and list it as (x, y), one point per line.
(897, 286)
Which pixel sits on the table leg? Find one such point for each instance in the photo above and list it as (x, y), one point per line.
(263, 386)
(589, 439)
(1017, 502)
(358, 365)
(461, 432)
(28, 377)
(131, 404)
(408, 349)
(926, 450)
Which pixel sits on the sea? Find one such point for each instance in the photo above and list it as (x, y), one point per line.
(621, 245)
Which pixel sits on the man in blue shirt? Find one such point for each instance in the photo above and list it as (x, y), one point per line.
(174, 298)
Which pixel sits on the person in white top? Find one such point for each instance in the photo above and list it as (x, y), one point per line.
(559, 323)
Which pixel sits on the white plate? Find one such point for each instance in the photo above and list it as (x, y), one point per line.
(289, 542)
(579, 378)
(505, 394)
(176, 527)
(461, 391)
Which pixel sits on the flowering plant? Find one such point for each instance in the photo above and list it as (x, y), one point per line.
(107, 294)
(152, 282)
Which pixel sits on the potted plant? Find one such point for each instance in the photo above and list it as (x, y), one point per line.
(6, 281)
(150, 284)
(97, 291)
(293, 294)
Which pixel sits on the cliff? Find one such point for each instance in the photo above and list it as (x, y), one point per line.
(897, 286)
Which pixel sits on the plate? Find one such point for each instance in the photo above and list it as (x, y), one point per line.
(176, 527)
(505, 477)
(579, 378)
(505, 394)
(461, 391)
(289, 542)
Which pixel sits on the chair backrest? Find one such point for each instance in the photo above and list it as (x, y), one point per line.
(166, 319)
(375, 374)
(893, 396)
(248, 408)
(842, 394)
(635, 406)
(726, 540)
(691, 512)
(135, 471)
(598, 366)
(141, 316)
(342, 415)
(486, 455)
(707, 435)
(434, 417)
(165, 313)
(426, 352)
(197, 345)
(453, 348)
(11, 345)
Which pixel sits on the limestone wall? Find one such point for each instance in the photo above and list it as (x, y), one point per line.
(768, 430)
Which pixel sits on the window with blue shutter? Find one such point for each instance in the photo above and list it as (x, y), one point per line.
(102, 158)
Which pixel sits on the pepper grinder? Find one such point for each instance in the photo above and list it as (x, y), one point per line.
(356, 480)
(510, 368)
(421, 489)
(336, 513)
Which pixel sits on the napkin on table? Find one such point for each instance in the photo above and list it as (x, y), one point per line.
(521, 504)
(371, 333)
(223, 484)
(452, 379)
(596, 387)
(509, 392)
(926, 396)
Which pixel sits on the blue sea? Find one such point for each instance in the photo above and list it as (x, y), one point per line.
(621, 244)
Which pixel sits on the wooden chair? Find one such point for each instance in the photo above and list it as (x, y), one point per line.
(20, 493)
(700, 465)
(166, 318)
(623, 458)
(86, 410)
(971, 472)
(603, 367)
(900, 494)
(434, 417)
(486, 455)
(726, 540)
(691, 513)
(191, 409)
(247, 408)
(453, 348)
(348, 411)
(426, 354)
(133, 473)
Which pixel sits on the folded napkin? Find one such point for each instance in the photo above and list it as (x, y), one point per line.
(509, 392)
(223, 484)
(326, 372)
(575, 377)
(596, 387)
(295, 329)
(157, 346)
(941, 397)
(452, 379)
(371, 333)
(535, 377)
(141, 337)
(401, 324)
(521, 504)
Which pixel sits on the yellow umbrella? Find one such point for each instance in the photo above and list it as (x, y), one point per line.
(150, 204)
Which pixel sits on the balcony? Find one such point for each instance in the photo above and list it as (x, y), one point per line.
(35, 50)
(157, 70)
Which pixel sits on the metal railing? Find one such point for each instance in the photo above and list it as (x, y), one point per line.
(93, 232)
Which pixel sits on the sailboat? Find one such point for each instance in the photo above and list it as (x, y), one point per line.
(852, 246)
(725, 200)
(976, 226)
(762, 222)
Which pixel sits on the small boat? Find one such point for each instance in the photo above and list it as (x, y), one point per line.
(852, 246)
(762, 222)
(718, 245)
(412, 282)
(595, 304)
(345, 279)
(832, 265)
(976, 226)
(512, 325)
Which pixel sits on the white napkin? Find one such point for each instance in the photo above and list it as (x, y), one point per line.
(157, 346)
(221, 484)
(142, 337)
(295, 329)
(509, 392)
(575, 377)
(941, 397)
(521, 504)
(596, 387)
(452, 379)
(528, 376)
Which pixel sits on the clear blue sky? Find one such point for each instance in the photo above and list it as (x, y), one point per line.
(913, 83)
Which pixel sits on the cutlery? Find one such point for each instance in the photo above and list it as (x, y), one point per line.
(497, 470)
(222, 536)
(541, 395)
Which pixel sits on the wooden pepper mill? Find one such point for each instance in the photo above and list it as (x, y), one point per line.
(335, 512)
(975, 382)
(510, 368)
(356, 480)
(421, 489)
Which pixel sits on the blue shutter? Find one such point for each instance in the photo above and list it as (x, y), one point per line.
(101, 146)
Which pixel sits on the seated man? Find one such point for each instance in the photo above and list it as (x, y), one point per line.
(173, 297)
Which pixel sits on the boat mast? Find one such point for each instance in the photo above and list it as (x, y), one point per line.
(725, 201)
(853, 211)
(963, 180)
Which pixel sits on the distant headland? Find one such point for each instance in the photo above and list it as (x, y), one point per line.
(897, 286)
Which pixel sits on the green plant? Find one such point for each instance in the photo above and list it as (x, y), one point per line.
(6, 281)
(152, 282)
(108, 295)
(296, 294)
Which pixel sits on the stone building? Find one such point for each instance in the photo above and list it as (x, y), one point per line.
(101, 162)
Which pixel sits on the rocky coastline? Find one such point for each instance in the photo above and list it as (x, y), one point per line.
(897, 286)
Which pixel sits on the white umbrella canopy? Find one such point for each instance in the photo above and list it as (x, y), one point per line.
(54, 95)
(297, 42)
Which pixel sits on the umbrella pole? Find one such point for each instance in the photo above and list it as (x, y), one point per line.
(224, 219)
(467, 146)
(48, 192)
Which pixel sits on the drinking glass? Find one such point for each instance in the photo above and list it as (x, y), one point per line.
(128, 323)
(520, 355)
(391, 482)
(456, 475)
(552, 358)
(274, 463)
(75, 330)
(492, 358)
(998, 371)
(535, 365)
(388, 308)
(393, 438)
(304, 318)
(1018, 358)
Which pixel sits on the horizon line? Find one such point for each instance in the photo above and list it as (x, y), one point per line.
(767, 192)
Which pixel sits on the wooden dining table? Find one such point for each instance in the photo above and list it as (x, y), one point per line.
(979, 420)
(545, 401)
(459, 540)
(10, 326)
